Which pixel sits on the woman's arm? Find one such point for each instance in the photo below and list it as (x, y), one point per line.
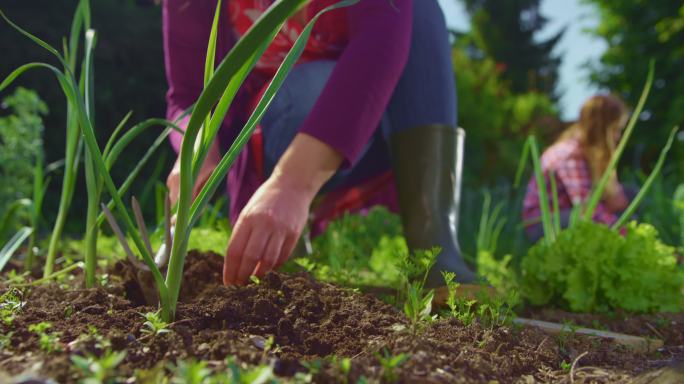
(353, 101)
(345, 116)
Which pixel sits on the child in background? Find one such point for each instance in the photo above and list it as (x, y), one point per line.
(578, 159)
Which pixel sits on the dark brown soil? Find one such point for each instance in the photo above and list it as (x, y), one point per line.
(308, 321)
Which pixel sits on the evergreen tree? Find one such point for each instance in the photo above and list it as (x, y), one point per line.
(505, 31)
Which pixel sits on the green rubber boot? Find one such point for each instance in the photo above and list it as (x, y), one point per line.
(428, 164)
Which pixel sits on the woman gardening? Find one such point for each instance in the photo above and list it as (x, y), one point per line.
(577, 160)
(374, 92)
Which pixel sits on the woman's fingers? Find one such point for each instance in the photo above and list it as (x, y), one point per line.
(271, 254)
(286, 250)
(236, 247)
(252, 255)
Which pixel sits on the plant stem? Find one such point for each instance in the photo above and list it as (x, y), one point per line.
(90, 246)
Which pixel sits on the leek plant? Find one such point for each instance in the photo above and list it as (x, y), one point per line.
(551, 219)
(80, 117)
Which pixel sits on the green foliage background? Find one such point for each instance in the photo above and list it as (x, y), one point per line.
(129, 75)
(636, 31)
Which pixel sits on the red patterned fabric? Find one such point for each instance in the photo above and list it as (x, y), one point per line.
(573, 182)
(328, 38)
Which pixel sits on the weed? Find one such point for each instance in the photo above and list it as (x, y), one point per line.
(98, 370)
(390, 365)
(154, 324)
(49, 342)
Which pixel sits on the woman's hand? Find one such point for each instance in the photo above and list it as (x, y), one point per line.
(272, 221)
(267, 230)
(210, 163)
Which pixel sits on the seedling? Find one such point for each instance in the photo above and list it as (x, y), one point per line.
(260, 374)
(154, 324)
(460, 308)
(390, 365)
(98, 370)
(49, 342)
(343, 366)
(191, 372)
(414, 270)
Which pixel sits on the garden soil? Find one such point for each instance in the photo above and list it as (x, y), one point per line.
(309, 322)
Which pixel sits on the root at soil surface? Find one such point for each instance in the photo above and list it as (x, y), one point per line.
(307, 320)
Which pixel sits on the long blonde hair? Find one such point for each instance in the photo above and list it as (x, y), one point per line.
(600, 123)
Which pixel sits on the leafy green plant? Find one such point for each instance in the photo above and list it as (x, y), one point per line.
(154, 324)
(49, 342)
(98, 370)
(390, 365)
(342, 250)
(593, 268)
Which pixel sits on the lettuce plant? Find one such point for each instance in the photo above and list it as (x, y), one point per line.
(591, 268)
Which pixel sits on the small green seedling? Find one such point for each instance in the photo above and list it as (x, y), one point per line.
(414, 270)
(98, 370)
(191, 372)
(342, 366)
(154, 324)
(460, 308)
(496, 311)
(260, 374)
(390, 365)
(49, 342)
(306, 263)
(255, 280)
(10, 305)
(565, 366)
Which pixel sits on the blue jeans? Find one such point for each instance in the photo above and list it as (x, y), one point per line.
(425, 94)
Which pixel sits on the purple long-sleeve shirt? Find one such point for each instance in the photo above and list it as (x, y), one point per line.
(350, 106)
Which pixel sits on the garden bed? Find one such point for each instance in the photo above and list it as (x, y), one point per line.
(309, 322)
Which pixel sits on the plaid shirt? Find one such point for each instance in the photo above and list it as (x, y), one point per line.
(573, 182)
